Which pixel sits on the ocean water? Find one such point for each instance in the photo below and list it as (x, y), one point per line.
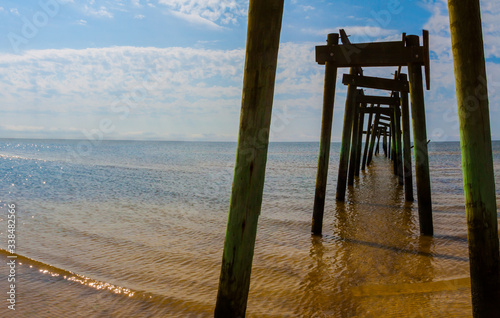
(136, 229)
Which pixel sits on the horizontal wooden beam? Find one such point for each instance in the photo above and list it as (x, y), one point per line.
(376, 82)
(379, 100)
(370, 54)
(376, 110)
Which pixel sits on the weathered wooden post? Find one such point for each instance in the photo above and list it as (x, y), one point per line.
(477, 160)
(355, 137)
(399, 151)
(264, 25)
(360, 140)
(367, 140)
(384, 143)
(420, 142)
(389, 146)
(394, 142)
(326, 135)
(345, 147)
(405, 116)
(372, 137)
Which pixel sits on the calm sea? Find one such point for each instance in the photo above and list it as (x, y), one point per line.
(136, 229)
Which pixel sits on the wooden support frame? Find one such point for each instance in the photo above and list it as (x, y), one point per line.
(373, 54)
(395, 53)
(378, 110)
(369, 129)
(372, 138)
(380, 100)
(376, 83)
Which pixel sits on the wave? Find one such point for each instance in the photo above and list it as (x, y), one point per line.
(69, 275)
(21, 157)
(157, 305)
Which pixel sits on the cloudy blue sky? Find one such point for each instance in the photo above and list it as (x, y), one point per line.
(173, 69)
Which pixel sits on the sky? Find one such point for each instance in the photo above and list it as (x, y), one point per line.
(173, 69)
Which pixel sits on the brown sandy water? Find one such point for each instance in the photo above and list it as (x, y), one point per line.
(128, 255)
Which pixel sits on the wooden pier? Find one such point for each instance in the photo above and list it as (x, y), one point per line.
(389, 113)
(389, 119)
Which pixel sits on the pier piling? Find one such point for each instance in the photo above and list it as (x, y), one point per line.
(326, 135)
(355, 138)
(345, 147)
(477, 158)
(420, 142)
(405, 119)
(367, 140)
(263, 34)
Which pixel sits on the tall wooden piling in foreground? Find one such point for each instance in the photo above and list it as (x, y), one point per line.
(420, 142)
(264, 26)
(477, 160)
(324, 145)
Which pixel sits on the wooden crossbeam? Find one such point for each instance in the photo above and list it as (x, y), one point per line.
(376, 110)
(376, 82)
(376, 54)
(380, 100)
(370, 54)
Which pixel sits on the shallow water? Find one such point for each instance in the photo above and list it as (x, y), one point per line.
(136, 229)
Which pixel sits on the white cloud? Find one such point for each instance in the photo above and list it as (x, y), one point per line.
(163, 91)
(221, 12)
(82, 22)
(101, 12)
(139, 16)
(136, 3)
(2, 9)
(307, 8)
(14, 11)
(441, 102)
(490, 11)
(198, 20)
